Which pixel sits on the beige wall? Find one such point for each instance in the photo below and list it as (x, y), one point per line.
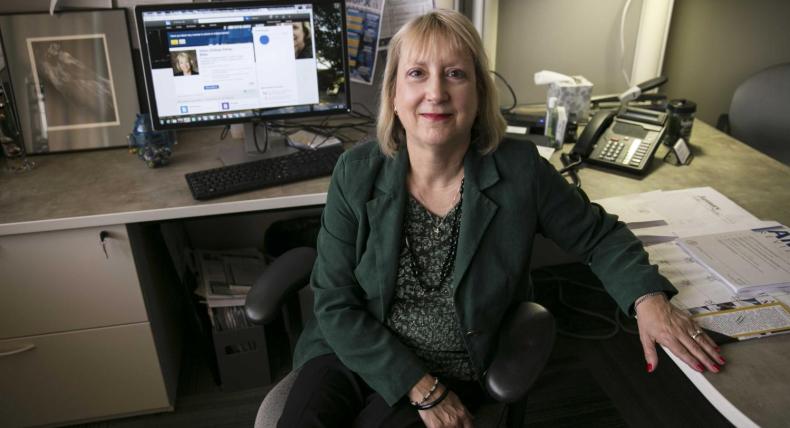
(715, 44)
(568, 36)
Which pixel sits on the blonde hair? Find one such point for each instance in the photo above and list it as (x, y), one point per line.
(426, 30)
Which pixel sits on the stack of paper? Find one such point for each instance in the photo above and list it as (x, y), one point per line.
(731, 269)
(227, 276)
(680, 213)
(749, 262)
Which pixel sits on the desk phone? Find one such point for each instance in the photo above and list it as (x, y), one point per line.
(625, 141)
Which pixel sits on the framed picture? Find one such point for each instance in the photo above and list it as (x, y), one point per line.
(72, 78)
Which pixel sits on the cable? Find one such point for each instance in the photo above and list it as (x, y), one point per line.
(360, 122)
(255, 125)
(224, 133)
(512, 92)
(622, 42)
(547, 275)
(570, 165)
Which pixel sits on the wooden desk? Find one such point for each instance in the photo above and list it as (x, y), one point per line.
(103, 187)
(74, 196)
(754, 387)
(96, 334)
(751, 179)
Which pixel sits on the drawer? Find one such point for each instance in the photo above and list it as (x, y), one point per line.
(88, 374)
(62, 281)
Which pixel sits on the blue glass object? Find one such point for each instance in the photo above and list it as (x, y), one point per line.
(153, 147)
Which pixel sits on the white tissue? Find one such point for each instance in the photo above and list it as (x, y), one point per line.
(544, 77)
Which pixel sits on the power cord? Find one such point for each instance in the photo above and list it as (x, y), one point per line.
(512, 92)
(255, 125)
(545, 277)
(360, 123)
(570, 163)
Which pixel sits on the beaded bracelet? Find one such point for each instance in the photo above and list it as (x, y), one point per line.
(433, 403)
(427, 394)
(645, 296)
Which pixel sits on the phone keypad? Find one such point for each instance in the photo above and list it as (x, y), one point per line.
(612, 150)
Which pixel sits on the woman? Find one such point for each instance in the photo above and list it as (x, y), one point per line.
(184, 64)
(303, 47)
(426, 241)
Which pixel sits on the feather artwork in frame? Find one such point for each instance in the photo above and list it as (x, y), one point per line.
(72, 78)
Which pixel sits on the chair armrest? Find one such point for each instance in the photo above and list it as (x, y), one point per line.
(525, 343)
(287, 274)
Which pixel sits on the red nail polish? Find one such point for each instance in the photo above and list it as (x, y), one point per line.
(716, 368)
(722, 360)
(699, 367)
(649, 368)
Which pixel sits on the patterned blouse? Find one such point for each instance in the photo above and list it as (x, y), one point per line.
(423, 314)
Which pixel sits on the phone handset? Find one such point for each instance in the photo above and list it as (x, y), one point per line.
(592, 132)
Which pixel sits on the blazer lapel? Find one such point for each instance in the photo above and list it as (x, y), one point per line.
(477, 210)
(385, 215)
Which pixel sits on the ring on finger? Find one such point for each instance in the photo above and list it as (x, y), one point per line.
(696, 334)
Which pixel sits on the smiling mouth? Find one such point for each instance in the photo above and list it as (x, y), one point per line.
(436, 116)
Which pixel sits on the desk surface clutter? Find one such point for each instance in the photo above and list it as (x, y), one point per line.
(112, 186)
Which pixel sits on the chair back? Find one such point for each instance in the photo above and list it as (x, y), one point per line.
(760, 112)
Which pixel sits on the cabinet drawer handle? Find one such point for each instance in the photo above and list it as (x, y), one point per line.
(103, 235)
(18, 351)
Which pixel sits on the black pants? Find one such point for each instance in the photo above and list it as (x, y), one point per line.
(327, 394)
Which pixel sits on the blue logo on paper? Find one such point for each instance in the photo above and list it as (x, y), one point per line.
(184, 109)
(264, 39)
(209, 87)
(225, 106)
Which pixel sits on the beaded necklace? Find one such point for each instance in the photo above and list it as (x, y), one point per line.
(449, 259)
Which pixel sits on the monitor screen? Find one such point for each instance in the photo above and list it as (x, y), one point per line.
(219, 63)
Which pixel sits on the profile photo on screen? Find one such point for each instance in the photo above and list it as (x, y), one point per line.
(303, 43)
(184, 63)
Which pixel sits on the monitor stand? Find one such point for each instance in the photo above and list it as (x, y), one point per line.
(237, 153)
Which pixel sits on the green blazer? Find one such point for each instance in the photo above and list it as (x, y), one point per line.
(509, 196)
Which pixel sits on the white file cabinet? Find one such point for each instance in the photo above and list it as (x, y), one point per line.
(75, 339)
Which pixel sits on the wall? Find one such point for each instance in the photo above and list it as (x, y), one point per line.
(715, 44)
(568, 36)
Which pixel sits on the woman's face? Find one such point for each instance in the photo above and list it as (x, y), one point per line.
(184, 65)
(435, 95)
(298, 37)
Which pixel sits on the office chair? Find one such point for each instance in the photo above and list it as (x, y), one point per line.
(525, 342)
(759, 112)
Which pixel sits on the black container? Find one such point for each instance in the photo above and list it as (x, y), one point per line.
(680, 120)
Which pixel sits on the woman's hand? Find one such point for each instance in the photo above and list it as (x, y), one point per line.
(660, 322)
(450, 413)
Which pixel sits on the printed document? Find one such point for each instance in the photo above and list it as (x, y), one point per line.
(745, 319)
(680, 213)
(696, 285)
(748, 261)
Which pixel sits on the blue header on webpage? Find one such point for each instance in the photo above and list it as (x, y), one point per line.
(185, 39)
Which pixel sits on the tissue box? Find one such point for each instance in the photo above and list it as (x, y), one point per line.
(575, 96)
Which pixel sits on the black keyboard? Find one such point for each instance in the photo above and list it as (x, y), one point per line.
(231, 179)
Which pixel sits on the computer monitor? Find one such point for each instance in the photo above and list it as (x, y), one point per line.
(220, 63)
